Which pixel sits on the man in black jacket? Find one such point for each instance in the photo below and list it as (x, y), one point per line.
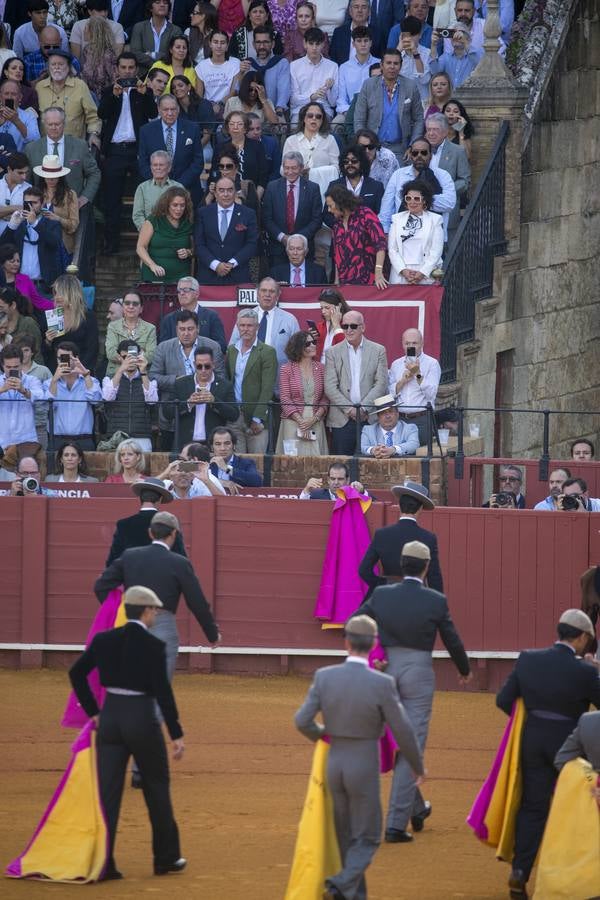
(132, 667)
(557, 687)
(409, 617)
(124, 108)
(387, 543)
(134, 531)
(205, 401)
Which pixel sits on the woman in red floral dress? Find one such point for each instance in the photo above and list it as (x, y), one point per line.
(358, 240)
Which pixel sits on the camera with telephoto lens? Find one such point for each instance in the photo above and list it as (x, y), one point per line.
(446, 32)
(503, 500)
(570, 502)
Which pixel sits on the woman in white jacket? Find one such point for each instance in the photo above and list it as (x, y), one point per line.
(416, 238)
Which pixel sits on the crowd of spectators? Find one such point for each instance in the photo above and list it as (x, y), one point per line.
(298, 143)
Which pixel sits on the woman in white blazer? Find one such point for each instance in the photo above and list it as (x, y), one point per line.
(416, 238)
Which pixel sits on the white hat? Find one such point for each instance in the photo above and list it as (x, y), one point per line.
(51, 168)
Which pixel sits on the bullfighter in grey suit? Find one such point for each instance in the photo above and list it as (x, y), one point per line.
(390, 105)
(584, 741)
(355, 373)
(409, 616)
(356, 703)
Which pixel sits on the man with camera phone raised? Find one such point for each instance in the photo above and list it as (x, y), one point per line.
(18, 394)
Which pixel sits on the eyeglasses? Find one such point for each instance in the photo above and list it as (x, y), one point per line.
(350, 325)
(204, 366)
(368, 146)
(503, 477)
(188, 290)
(420, 152)
(310, 343)
(313, 116)
(50, 46)
(131, 303)
(226, 166)
(350, 161)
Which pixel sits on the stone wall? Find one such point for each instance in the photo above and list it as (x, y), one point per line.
(545, 305)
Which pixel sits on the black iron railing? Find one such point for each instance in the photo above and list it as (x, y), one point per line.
(469, 267)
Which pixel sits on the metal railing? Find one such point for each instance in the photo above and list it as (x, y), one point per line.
(469, 267)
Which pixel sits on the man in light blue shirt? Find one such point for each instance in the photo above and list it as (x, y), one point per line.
(21, 124)
(459, 64)
(354, 73)
(18, 394)
(555, 483)
(73, 391)
(275, 69)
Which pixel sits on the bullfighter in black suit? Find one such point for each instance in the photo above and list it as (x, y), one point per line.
(557, 687)
(132, 667)
(387, 543)
(134, 531)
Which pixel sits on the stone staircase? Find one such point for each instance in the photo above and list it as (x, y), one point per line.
(115, 273)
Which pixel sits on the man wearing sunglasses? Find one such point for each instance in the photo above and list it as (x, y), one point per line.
(510, 480)
(205, 400)
(29, 37)
(355, 374)
(440, 182)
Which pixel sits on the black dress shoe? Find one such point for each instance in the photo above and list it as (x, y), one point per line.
(418, 821)
(516, 885)
(136, 780)
(177, 866)
(397, 836)
(111, 874)
(332, 893)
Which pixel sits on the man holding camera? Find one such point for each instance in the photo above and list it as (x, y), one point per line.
(413, 381)
(13, 186)
(128, 395)
(555, 484)
(69, 387)
(18, 394)
(37, 240)
(575, 497)
(509, 496)
(124, 108)
(27, 480)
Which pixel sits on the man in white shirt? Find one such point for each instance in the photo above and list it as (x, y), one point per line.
(464, 12)
(444, 201)
(414, 380)
(415, 56)
(355, 71)
(314, 78)
(13, 186)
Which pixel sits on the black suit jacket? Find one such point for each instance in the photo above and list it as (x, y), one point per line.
(188, 160)
(554, 680)
(339, 45)
(385, 548)
(313, 273)
(133, 532)
(132, 11)
(209, 325)
(223, 410)
(166, 573)
(48, 246)
(244, 472)
(411, 615)
(143, 109)
(241, 243)
(371, 194)
(308, 215)
(131, 658)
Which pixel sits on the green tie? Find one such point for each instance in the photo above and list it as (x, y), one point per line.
(55, 148)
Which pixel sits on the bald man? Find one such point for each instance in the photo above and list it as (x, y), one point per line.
(414, 380)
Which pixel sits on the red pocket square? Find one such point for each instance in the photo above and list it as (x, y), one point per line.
(241, 227)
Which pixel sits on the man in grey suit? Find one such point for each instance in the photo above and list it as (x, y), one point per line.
(355, 374)
(390, 105)
(584, 741)
(390, 436)
(84, 177)
(356, 703)
(141, 39)
(451, 158)
(409, 617)
(175, 359)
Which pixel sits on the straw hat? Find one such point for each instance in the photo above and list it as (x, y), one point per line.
(51, 168)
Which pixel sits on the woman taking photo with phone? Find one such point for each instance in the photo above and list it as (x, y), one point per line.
(59, 202)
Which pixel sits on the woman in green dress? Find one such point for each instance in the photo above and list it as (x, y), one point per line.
(165, 241)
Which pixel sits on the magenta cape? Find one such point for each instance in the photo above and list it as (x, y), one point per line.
(70, 843)
(342, 590)
(74, 716)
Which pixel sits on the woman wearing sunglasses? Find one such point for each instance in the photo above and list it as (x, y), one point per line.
(130, 327)
(226, 162)
(416, 238)
(312, 139)
(303, 401)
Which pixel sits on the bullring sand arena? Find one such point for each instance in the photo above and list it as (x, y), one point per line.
(239, 791)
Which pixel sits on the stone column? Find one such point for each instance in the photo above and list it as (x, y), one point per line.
(492, 95)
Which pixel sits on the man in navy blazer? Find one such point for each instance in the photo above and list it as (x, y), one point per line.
(307, 208)
(226, 238)
(183, 137)
(226, 465)
(358, 15)
(298, 271)
(41, 233)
